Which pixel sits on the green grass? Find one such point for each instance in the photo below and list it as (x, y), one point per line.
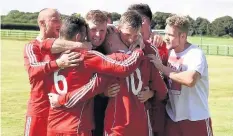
(210, 40)
(15, 91)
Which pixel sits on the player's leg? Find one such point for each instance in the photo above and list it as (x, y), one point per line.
(196, 128)
(35, 126)
(100, 104)
(158, 119)
(172, 128)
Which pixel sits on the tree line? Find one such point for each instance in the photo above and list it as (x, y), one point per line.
(222, 26)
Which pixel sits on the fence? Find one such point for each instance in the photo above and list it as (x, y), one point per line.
(223, 50)
(209, 49)
(18, 35)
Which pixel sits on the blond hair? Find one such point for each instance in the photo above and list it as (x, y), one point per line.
(180, 22)
(96, 16)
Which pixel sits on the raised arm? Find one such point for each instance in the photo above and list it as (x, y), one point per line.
(116, 64)
(195, 70)
(60, 45)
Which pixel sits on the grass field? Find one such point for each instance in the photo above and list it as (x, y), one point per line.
(15, 91)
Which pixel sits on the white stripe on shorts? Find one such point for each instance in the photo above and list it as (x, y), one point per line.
(28, 124)
(209, 130)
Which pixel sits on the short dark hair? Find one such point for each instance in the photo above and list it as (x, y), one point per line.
(107, 14)
(71, 26)
(132, 18)
(142, 9)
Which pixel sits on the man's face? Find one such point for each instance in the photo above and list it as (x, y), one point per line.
(96, 32)
(53, 25)
(172, 37)
(128, 34)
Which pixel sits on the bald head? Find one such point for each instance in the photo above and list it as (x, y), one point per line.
(46, 13)
(49, 22)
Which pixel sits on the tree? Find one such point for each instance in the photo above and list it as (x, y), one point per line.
(201, 26)
(222, 26)
(191, 28)
(159, 19)
(76, 14)
(115, 16)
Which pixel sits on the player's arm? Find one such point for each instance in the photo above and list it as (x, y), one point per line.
(116, 64)
(33, 61)
(154, 50)
(157, 84)
(60, 45)
(95, 86)
(189, 77)
(163, 53)
(36, 67)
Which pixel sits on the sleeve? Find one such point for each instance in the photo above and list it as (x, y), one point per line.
(151, 49)
(95, 86)
(33, 61)
(157, 84)
(116, 64)
(163, 53)
(46, 45)
(197, 62)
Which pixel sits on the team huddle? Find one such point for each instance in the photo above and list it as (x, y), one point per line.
(91, 78)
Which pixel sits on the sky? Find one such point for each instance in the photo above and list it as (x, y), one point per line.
(210, 9)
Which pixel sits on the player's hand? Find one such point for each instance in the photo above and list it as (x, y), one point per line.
(155, 60)
(139, 43)
(53, 99)
(143, 96)
(156, 39)
(69, 59)
(87, 45)
(112, 90)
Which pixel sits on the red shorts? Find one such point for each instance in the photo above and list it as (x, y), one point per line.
(158, 118)
(137, 127)
(35, 126)
(87, 133)
(189, 128)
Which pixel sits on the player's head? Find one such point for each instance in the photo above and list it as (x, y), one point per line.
(145, 11)
(97, 27)
(49, 22)
(129, 27)
(109, 16)
(176, 31)
(74, 29)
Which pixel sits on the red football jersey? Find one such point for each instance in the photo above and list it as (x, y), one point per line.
(124, 113)
(79, 117)
(38, 66)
